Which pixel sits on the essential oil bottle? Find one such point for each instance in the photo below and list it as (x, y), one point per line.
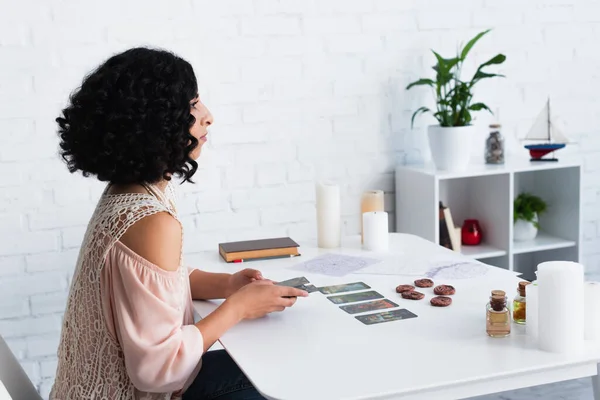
(519, 304)
(497, 315)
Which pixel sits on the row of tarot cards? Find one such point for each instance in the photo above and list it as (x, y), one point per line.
(364, 300)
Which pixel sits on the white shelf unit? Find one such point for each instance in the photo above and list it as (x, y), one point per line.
(486, 193)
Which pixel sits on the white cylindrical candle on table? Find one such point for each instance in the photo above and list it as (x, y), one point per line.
(531, 309)
(592, 310)
(328, 215)
(372, 200)
(560, 306)
(375, 224)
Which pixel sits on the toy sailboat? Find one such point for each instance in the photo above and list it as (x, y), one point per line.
(545, 129)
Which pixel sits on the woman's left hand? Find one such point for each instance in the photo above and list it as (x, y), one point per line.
(242, 278)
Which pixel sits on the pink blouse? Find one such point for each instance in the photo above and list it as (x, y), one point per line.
(143, 308)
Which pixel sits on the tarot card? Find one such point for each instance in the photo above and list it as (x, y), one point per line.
(355, 297)
(309, 288)
(385, 316)
(348, 287)
(368, 306)
(306, 287)
(294, 282)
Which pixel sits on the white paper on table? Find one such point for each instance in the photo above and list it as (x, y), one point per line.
(439, 266)
(335, 264)
(396, 264)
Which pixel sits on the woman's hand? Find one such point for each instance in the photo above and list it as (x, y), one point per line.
(262, 297)
(242, 278)
(253, 300)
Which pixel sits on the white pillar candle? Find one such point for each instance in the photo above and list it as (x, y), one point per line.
(372, 200)
(531, 309)
(328, 215)
(560, 306)
(592, 310)
(375, 225)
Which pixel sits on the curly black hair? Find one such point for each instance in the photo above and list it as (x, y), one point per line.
(129, 121)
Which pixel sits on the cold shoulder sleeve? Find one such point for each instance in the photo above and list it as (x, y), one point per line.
(146, 308)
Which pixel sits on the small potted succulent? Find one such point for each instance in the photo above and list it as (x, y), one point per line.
(450, 139)
(527, 209)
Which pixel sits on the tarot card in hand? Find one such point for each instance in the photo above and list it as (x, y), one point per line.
(368, 306)
(302, 286)
(348, 287)
(294, 282)
(385, 316)
(355, 297)
(307, 287)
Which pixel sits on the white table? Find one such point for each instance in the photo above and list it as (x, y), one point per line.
(316, 351)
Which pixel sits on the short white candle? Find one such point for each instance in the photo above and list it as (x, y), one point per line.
(376, 234)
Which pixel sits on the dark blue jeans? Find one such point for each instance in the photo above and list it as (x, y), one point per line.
(220, 379)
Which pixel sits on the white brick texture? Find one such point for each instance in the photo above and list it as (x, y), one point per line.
(300, 90)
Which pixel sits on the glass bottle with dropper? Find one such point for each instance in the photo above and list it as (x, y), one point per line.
(519, 304)
(497, 315)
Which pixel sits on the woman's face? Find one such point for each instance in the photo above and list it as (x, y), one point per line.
(200, 128)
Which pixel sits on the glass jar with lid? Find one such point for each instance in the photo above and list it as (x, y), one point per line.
(494, 146)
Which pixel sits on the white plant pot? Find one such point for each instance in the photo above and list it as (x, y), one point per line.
(451, 146)
(525, 230)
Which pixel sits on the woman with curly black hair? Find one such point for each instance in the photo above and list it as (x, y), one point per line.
(128, 331)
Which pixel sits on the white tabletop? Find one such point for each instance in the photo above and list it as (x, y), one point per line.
(4, 393)
(315, 350)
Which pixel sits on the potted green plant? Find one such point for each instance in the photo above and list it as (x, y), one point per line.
(527, 209)
(450, 141)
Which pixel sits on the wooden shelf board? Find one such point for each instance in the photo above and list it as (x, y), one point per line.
(542, 242)
(482, 250)
(478, 168)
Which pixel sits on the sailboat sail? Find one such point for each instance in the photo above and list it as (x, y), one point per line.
(545, 128)
(556, 134)
(539, 129)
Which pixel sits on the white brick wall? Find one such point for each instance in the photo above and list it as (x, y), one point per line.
(299, 90)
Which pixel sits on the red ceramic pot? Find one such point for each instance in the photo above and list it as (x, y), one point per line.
(471, 232)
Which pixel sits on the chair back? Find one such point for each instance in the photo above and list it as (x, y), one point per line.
(13, 377)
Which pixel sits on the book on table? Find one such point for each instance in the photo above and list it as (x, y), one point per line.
(258, 249)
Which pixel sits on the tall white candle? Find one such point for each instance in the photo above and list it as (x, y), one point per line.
(592, 310)
(376, 235)
(328, 215)
(560, 306)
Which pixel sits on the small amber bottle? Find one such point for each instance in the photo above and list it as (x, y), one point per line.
(519, 304)
(497, 315)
